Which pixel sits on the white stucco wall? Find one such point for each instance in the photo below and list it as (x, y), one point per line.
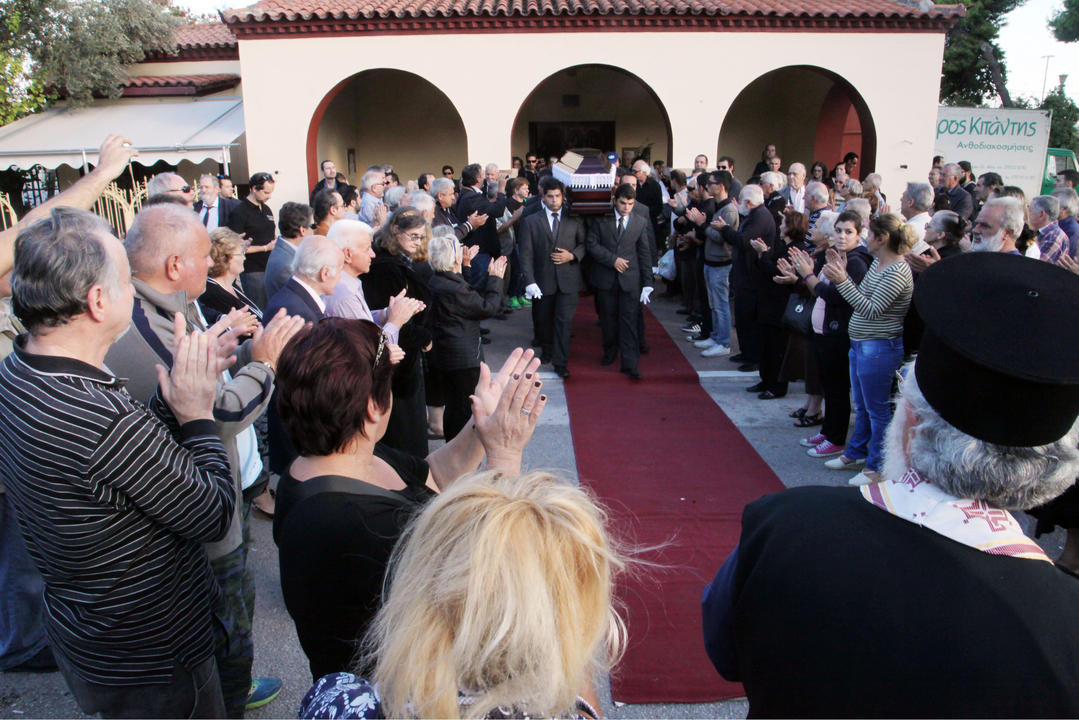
(899, 86)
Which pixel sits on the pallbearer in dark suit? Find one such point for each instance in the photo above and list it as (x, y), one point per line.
(551, 246)
(622, 275)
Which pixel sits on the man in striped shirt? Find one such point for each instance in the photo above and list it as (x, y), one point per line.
(114, 498)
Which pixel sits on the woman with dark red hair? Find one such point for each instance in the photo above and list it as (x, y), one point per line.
(346, 499)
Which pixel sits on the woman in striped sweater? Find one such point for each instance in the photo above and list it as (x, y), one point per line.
(880, 303)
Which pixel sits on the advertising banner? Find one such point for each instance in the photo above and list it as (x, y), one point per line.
(1005, 140)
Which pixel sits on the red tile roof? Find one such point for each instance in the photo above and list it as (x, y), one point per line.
(179, 84)
(204, 35)
(292, 10)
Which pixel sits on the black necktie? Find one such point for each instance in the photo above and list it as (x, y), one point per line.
(206, 215)
(554, 226)
(621, 225)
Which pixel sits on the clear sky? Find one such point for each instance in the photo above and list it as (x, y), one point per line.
(1025, 40)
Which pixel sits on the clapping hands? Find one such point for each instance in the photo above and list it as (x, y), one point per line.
(836, 267)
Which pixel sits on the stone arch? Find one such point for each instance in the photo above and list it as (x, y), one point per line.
(386, 115)
(808, 112)
(592, 105)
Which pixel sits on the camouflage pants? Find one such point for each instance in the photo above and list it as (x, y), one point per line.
(232, 631)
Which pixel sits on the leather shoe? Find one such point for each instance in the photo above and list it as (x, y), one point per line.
(755, 388)
(562, 372)
(736, 358)
(633, 374)
(485, 340)
(485, 331)
(769, 395)
(747, 367)
(608, 358)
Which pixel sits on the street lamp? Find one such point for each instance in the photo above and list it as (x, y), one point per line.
(1045, 77)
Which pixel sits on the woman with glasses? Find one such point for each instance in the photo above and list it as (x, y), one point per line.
(400, 264)
(346, 499)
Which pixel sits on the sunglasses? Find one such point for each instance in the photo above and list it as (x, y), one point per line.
(185, 189)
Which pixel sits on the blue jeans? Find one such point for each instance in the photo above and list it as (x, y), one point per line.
(719, 299)
(872, 367)
(22, 605)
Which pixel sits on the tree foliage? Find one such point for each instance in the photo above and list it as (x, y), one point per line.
(75, 48)
(1065, 24)
(1064, 130)
(966, 78)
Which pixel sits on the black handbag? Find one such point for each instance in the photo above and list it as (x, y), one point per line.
(798, 316)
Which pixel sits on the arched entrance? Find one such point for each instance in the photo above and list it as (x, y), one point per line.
(807, 112)
(598, 106)
(385, 115)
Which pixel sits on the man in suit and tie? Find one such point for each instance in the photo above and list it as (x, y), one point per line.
(315, 273)
(622, 275)
(214, 211)
(294, 224)
(551, 246)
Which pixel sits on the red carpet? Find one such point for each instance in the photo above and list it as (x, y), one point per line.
(671, 467)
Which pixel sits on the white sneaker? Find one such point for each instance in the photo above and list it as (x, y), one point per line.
(717, 351)
(705, 344)
(865, 477)
(844, 463)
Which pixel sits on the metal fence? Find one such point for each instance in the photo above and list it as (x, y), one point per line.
(117, 206)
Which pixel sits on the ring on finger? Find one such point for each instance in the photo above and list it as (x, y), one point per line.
(525, 411)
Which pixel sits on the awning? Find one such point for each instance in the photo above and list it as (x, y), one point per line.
(169, 129)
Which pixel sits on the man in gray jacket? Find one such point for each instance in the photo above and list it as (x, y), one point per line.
(169, 252)
(717, 266)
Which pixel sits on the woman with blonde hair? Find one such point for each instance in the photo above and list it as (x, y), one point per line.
(227, 252)
(880, 302)
(500, 605)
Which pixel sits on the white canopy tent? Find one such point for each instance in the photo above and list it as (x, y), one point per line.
(169, 129)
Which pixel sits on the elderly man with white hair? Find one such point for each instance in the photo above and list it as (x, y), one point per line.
(816, 202)
(372, 208)
(347, 300)
(795, 191)
(999, 225)
(915, 204)
(920, 595)
(1067, 219)
(771, 183)
(316, 270)
(172, 186)
(756, 222)
(1052, 241)
(315, 273)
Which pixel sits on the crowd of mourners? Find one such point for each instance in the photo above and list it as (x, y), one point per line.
(221, 359)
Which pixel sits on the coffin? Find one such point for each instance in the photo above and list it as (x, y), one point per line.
(589, 178)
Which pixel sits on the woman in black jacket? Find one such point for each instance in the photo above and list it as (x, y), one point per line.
(830, 339)
(457, 309)
(402, 245)
(773, 301)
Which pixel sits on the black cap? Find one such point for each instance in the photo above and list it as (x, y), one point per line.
(1000, 356)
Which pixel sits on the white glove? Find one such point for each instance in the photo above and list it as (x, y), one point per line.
(645, 294)
(532, 292)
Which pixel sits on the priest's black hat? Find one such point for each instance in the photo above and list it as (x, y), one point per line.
(1000, 356)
